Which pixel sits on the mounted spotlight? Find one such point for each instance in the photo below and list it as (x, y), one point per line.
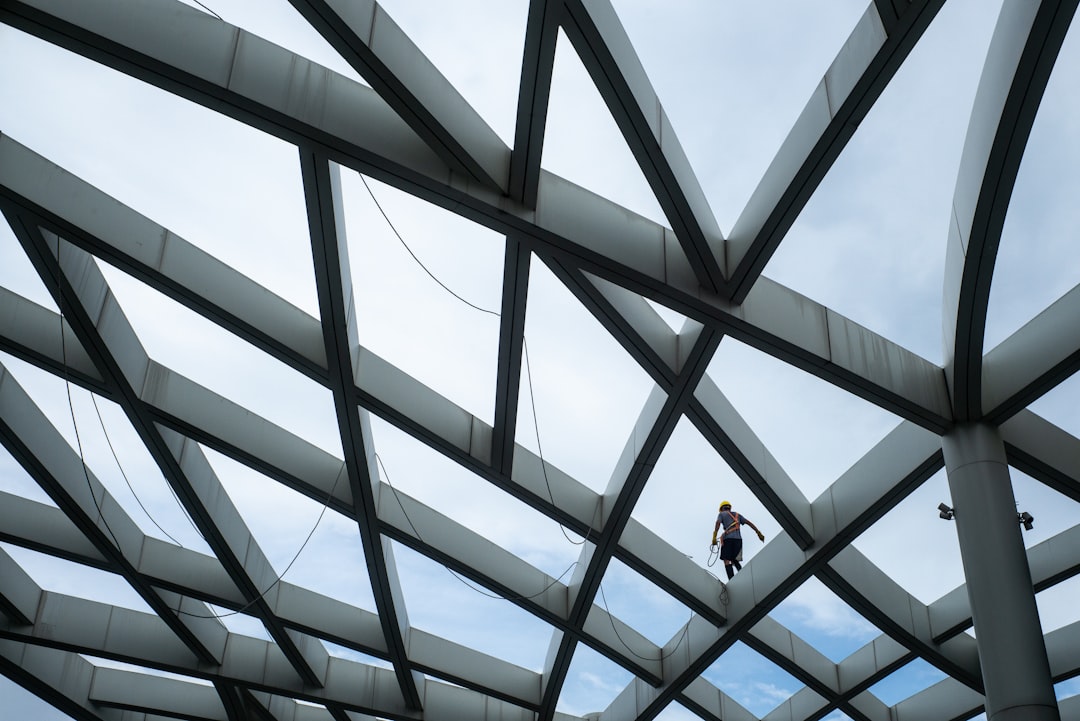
(945, 513)
(1027, 519)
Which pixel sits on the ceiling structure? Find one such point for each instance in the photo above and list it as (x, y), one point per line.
(410, 128)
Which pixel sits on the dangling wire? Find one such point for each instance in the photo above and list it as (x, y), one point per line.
(101, 422)
(71, 404)
(714, 554)
(207, 9)
(281, 576)
(420, 263)
(524, 345)
(539, 447)
(451, 571)
(611, 620)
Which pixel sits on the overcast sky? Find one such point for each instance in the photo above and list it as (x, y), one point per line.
(733, 76)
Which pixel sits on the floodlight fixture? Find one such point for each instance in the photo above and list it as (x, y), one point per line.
(1027, 519)
(945, 513)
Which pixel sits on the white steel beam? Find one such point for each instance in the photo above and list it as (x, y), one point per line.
(372, 43)
(83, 295)
(1022, 54)
(333, 281)
(867, 62)
(607, 53)
(596, 234)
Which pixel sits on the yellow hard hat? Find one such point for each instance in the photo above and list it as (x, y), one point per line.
(725, 503)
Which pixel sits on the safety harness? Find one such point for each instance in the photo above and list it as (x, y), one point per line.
(734, 524)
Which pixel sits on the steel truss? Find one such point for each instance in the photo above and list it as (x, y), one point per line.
(412, 130)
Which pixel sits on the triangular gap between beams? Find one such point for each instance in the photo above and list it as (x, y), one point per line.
(583, 143)
(305, 543)
(815, 430)
(17, 273)
(487, 76)
(681, 500)
(824, 620)
(588, 391)
(751, 680)
(406, 262)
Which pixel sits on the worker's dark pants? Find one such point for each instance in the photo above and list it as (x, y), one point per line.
(729, 552)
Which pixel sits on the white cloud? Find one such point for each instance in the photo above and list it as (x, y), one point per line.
(773, 691)
(816, 607)
(597, 682)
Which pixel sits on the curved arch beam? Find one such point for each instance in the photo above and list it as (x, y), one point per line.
(1022, 53)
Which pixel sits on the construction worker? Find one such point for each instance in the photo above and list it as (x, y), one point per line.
(731, 538)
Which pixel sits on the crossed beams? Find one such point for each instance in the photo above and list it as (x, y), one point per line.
(590, 232)
(871, 465)
(121, 361)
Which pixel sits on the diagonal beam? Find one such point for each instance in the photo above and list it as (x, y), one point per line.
(61, 678)
(948, 699)
(1033, 360)
(640, 330)
(19, 595)
(1043, 451)
(1052, 561)
(48, 459)
(309, 470)
(534, 93)
(653, 429)
(866, 64)
(733, 438)
(333, 280)
(23, 522)
(711, 703)
(629, 319)
(609, 56)
(146, 694)
(804, 662)
(249, 662)
(871, 592)
(98, 223)
(372, 43)
(36, 334)
(515, 293)
(44, 529)
(1023, 50)
(194, 411)
(889, 471)
(80, 289)
(854, 676)
(496, 569)
(640, 554)
(685, 580)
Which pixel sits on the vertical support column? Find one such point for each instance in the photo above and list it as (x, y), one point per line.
(1012, 653)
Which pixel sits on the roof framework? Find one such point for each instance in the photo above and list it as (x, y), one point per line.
(412, 130)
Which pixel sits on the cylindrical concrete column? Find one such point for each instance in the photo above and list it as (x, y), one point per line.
(1012, 653)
